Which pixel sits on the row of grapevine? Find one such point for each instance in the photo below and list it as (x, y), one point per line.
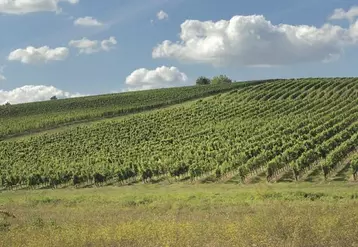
(272, 127)
(22, 118)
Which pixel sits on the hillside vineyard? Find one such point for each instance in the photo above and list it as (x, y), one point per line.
(276, 128)
(26, 118)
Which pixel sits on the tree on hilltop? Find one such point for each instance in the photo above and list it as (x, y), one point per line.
(221, 79)
(202, 80)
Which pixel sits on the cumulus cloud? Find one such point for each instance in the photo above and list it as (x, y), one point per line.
(353, 32)
(341, 14)
(44, 54)
(108, 44)
(31, 93)
(87, 21)
(254, 41)
(19, 7)
(161, 15)
(86, 46)
(161, 77)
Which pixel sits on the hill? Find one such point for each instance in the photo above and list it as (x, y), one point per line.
(278, 130)
(20, 119)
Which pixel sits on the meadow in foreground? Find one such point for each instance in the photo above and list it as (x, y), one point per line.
(296, 214)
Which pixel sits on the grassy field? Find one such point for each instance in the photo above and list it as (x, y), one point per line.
(265, 164)
(296, 214)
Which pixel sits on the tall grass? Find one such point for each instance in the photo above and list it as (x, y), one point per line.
(179, 215)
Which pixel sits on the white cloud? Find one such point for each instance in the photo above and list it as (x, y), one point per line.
(341, 14)
(353, 32)
(142, 79)
(255, 41)
(31, 93)
(44, 54)
(161, 15)
(2, 77)
(87, 22)
(108, 44)
(19, 7)
(87, 46)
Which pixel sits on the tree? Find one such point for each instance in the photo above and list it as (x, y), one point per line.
(53, 97)
(7, 103)
(202, 81)
(221, 79)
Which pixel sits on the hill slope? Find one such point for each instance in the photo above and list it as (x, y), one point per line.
(280, 128)
(33, 117)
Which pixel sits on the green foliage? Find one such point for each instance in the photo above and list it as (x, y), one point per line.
(282, 126)
(221, 79)
(32, 117)
(203, 81)
(354, 166)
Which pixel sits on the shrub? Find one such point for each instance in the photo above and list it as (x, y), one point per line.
(203, 81)
(221, 79)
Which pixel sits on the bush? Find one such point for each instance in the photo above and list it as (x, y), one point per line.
(221, 79)
(203, 81)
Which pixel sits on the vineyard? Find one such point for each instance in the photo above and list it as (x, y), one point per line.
(26, 118)
(277, 129)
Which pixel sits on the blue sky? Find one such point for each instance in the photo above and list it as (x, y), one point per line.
(137, 31)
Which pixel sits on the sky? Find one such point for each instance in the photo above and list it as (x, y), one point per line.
(72, 48)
